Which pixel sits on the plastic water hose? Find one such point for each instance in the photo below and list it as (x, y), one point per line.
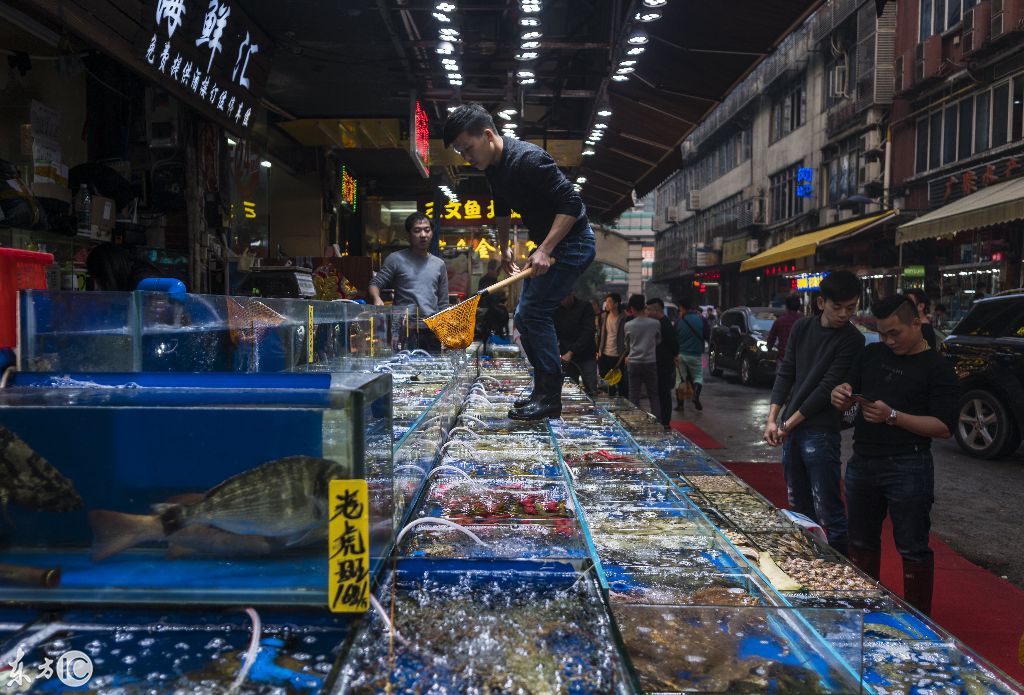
(174, 287)
(476, 420)
(442, 522)
(250, 654)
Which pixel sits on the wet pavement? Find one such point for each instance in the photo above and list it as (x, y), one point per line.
(977, 503)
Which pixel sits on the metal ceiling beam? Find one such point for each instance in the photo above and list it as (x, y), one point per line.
(616, 179)
(644, 141)
(663, 112)
(715, 51)
(615, 193)
(630, 155)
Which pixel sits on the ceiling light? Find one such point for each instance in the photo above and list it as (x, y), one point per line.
(454, 76)
(452, 108)
(531, 9)
(442, 17)
(626, 63)
(458, 82)
(528, 80)
(531, 44)
(600, 126)
(604, 113)
(445, 7)
(445, 48)
(526, 73)
(513, 126)
(638, 37)
(619, 78)
(449, 33)
(527, 55)
(636, 50)
(581, 179)
(589, 152)
(530, 22)
(625, 71)
(648, 16)
(655, 3)
(449, 61)
(266, 164)
(451, 68)
(232, 142)
(532, 35)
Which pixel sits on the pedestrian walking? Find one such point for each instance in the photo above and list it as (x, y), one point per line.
(665, 354)
(782, 326)
(642, 337)
(692, 333)
(908, 395)
(418, 278)
(611, 342)
(525, 177)
(819, 355)
(574, 326)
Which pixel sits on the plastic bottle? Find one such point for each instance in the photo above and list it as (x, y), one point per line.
(83, 207)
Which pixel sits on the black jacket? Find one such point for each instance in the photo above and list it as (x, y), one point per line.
(668, 348)
(575, 330)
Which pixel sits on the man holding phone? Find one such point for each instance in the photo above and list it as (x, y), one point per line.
(820, 352)
(908, 395)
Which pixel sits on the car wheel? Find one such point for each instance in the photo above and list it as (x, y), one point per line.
(716, 370)
(747, 370)
(984, 428)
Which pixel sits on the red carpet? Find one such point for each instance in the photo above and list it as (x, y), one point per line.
(984, 611)
(696, 435)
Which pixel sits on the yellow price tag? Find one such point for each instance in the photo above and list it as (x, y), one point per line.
(348, 563)
(309, 336)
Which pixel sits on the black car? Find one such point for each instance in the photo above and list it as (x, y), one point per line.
(740, 341)
(987, 351)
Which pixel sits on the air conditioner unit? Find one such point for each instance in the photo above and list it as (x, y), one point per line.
(693, 201)
(671, 213)
(1006, 17)
(977, 23)
(831, 217)
(753, 246)
(932, 56)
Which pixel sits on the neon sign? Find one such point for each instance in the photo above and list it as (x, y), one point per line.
(349, 188)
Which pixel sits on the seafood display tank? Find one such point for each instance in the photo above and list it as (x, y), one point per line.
(165, 477)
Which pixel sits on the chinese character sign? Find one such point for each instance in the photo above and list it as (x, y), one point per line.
(804, 182)
(470, 212)
(349, 546)
(809, 282)
(349, 188)
(422, 137)
(208, 52)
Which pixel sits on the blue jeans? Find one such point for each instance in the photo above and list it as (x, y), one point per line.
(542, 295)
(902, 486)
(812, 465)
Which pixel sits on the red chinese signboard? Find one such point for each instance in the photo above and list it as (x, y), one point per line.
(421, 138)
(960, 184)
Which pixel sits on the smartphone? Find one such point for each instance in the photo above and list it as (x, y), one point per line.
(860, 398)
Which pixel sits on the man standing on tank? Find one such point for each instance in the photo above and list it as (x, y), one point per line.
(525, 177)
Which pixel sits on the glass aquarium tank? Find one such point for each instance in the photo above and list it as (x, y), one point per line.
(198, 488)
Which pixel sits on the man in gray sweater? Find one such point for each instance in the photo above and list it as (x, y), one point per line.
(819, 355)
(418, 278)
(642, 337)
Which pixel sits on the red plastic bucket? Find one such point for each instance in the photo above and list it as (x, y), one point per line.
(19, 270)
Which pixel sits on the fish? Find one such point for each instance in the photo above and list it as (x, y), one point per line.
(278, 505)
(29, 480)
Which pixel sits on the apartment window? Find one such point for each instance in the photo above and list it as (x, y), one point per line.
(844, 173)
(785, 204)
(921, 160)
(1017, 108)
(746, 144)
(938, 16)
(964, 139)
(789, 112)
(1000, 111)
(935, 140)
(981, 122)
(949, 135)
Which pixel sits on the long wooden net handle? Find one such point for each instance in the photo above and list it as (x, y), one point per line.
(510, 280)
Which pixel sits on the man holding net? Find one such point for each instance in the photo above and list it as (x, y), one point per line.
(525, 177)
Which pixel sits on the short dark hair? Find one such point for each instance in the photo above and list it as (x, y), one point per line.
(920, 298)
(637, 302)
(657, 301)
(899, 304)
(685, 304)
(840, 286)
(615, 297)
(414, 218)
(468, 118)
(793, 303)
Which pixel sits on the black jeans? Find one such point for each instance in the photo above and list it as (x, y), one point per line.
(585, 370)
(666, 382)
(902, 486)
(812, 465)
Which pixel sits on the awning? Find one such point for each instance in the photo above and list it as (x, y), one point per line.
(807, 244)
(1003, 202)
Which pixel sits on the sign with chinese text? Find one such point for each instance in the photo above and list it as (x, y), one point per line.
(210, 54)
(960, 184)
(462, 213)
(735, 250)
(913, 271)
(348, 531)
(805, 182)
(809, 282)
(419, 138)
(349, 188)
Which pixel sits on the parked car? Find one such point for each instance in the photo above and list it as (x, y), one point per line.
(740, 342)
(987, 351)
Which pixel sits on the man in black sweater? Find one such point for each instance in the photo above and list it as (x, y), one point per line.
(908, 395)
(575, 328)
(666, 353)
(820, 353)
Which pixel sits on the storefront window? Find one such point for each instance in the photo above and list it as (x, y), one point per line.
(935, 140)
(1000, 108)
(921, 163)
(964, 138)
(949, 136)
(1017, 110)
(981, 122)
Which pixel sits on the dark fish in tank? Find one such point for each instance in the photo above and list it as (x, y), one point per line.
(28, 480)
(282, 503)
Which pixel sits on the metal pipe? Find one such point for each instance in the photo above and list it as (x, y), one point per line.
(48, 577)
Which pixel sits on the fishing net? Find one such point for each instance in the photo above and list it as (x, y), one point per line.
(455, 326)
(249, 320)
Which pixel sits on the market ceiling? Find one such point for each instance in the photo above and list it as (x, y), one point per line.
(363, 59)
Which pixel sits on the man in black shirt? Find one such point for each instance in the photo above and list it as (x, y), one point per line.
(666, 353)
(575, 327)
(525, 177)
(908, 396)
(820, 352)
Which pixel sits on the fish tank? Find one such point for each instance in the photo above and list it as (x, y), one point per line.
(161, 332)
(198, 488)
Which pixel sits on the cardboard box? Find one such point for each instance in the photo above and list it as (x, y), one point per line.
(51, 190)
(48, 171)
(95, 232)
(104, 213)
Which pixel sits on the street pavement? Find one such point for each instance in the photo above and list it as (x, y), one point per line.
(977, 503)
